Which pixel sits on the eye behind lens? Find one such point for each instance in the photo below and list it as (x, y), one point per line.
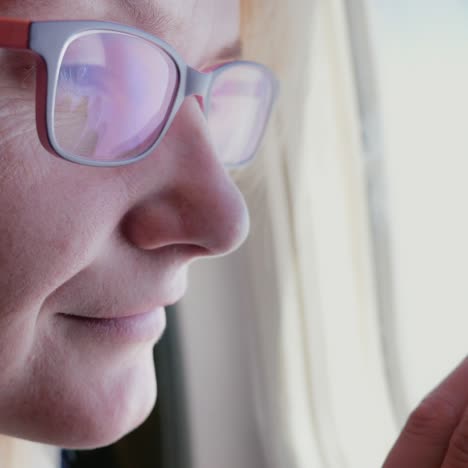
(123, 99)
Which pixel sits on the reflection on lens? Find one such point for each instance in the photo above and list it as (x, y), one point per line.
(238, 110)
(114, 94)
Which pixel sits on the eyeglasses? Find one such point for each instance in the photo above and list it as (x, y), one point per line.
(107, 94)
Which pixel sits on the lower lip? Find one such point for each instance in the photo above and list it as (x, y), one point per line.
(139, 328)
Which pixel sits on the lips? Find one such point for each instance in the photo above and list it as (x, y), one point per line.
(124, 314)
(130, 329)
(121, 306)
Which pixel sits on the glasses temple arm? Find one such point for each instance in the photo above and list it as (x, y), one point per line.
(14, 33)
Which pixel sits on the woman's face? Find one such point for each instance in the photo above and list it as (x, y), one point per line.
(102, 242)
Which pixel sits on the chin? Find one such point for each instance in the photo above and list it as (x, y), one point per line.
(93, 412)
(111, 420)
(106, 432)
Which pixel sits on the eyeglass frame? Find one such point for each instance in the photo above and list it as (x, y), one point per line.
(48, 40)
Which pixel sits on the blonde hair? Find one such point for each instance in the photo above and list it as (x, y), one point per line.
(275, 32)
(279, 34)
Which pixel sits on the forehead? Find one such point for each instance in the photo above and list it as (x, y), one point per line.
(197, 28)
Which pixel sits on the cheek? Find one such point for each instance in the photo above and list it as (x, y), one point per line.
(46, 240)
(50, 229)
(54, 218)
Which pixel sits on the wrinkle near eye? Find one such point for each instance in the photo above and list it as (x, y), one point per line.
(17, 69)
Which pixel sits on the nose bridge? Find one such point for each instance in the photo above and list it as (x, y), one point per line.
(197, 83)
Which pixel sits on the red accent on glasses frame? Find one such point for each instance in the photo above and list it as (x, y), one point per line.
(14, 33)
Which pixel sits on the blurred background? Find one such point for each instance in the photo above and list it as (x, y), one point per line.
(311, 345)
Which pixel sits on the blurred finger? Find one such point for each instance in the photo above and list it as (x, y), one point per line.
(426, 436)
(457, 453)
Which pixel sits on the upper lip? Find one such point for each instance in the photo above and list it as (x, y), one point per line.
(112, 297)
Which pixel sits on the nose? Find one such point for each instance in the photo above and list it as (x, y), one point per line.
(185, 195)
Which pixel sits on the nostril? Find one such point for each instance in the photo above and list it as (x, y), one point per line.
(201, 103)
(182, 252)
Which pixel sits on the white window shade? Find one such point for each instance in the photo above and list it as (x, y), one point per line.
(421, 71)
(340, 313)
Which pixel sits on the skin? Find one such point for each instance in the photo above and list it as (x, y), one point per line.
(82, 240)
(436, 433)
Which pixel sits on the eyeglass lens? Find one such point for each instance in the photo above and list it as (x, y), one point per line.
(239, 105)
(115, 93)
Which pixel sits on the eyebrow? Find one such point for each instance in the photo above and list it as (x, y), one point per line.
(152, 15)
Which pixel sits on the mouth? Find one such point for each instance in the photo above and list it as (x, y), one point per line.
(134, 328)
